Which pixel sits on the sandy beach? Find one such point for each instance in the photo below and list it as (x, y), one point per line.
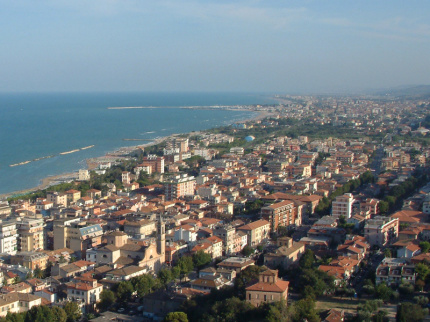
(93, 163)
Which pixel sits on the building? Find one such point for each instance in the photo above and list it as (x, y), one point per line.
(179, 186)
(342, 206)
(269, 289)
(155, 162)
(257, 231)
(280, 214)
(394, 271)
(76, 235)
(84, 290)
(8, 237)
(30, 234)
(285, 255)
(380, 231)
(140, 229)
(84, 175)
(17, 303)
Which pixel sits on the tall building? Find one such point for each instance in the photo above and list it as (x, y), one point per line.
(31, 234)
(380, 231)
(155, 162)
(179, 186)
(8, 237)
(280, 214)
(342, 206)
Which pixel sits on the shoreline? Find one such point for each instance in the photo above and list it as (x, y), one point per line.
(92, 163)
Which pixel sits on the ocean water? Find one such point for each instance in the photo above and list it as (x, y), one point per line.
(38, 125)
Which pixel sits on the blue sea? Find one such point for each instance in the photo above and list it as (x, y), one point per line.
(43, 124)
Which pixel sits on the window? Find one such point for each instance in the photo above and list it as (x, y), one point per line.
(265, 297)
(249, 297)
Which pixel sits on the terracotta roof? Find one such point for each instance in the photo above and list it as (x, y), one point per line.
(278, 287)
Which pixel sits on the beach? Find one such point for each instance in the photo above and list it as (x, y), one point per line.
(93, 163)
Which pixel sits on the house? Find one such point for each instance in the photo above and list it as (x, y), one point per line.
(17, 303)
(380, 231)
(236, 263)
(84, 290)
(285, 255)
(268, 289)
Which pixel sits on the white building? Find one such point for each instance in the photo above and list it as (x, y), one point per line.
(8, 238)
(342, 206)
(83, 175)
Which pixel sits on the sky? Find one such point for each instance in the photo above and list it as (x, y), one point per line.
(209, 46)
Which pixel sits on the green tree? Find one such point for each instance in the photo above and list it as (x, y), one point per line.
(247, 251)
(165, 276)
(409, 312)
(425, 246)
(383, 292)
(200, 259)
(422, 271)
(307, 260)
(383, 207)
(73, 311)
(176, 317)
(186, 265)
(124, 291)
(59, 314)
(107, 299)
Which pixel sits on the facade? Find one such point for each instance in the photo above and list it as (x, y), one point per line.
(8, 237)
(380, 231)
(140, 228)
(342, 206)
(257, 231)
(31, 234)
(179, 186)
(269, 289)
(280, 214)
(17, 303)
(155, 162)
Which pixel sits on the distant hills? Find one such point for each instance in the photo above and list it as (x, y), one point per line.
(417, 92)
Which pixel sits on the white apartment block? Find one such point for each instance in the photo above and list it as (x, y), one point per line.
(8, 238)
(342, 206)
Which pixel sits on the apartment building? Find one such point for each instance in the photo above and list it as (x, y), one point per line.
(280, 214)
(155, 162)
(31, 234)
(8, 237)
(257, 231)
(342, 206)
(380, 231)
(179, 186)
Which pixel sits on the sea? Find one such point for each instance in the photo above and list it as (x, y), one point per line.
(37, 125)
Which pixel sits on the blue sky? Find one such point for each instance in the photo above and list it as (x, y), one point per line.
(191, 45)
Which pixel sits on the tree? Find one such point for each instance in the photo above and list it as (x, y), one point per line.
(200, 259)
(186, 265)
(422, 271)
(307, 260)
(409, 312)
(38, 273)
(107, 298)
(176, 317)
(425, 246)
(59, 314)
(406, 288)
(165, 276)
(245, 277)
(124, 291)
(247, 251)
(383, 292)
(383, 207)
(73, 311)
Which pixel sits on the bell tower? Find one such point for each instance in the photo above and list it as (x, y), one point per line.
(161, 239)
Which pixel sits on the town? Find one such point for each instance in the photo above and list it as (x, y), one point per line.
(318, 211)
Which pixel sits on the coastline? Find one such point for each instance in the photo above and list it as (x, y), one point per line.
(92, 163)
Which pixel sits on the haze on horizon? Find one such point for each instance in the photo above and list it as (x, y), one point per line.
(196, 45)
